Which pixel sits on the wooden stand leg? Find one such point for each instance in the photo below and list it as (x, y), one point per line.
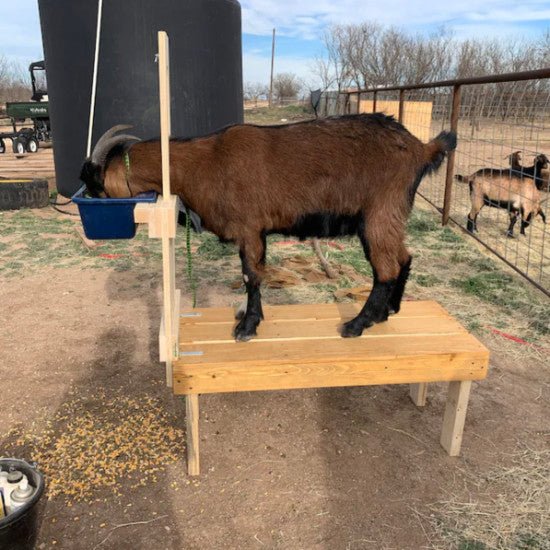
(192, 421)
(455, 415)
(418, 394)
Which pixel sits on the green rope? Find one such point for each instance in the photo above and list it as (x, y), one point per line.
(189, 259)
(127, 163)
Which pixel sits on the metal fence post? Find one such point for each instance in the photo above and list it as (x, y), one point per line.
(401, 105)
(451, 159)
(374, 102)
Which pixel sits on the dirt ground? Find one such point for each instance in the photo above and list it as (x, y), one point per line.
(348, 468)
(39, 164)
(332, 468)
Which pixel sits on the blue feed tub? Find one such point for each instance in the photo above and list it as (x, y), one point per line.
(109, 218)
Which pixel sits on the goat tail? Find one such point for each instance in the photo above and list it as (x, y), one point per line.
(463, 179)
(434, 153)
(436, 150)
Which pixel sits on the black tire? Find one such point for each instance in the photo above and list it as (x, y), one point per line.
(32, 145)
(19, 146)
(16, 194)
(2, 146)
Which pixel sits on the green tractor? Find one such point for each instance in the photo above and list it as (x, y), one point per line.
(36, 110)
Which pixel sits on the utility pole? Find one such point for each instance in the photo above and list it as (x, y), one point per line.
(272, 62)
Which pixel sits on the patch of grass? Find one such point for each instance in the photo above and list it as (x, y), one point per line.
(473, 325)
(482, 264)
(422, 222)
(353, 255)
(426, 280)
(540, 321)
(273, 115)
(13, 266)
(511, 510)
(490, 287)
(458, 257)
(212, 249)
(449, 236)
(324, 287)
(471, 545)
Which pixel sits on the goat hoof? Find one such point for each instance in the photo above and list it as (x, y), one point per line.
(246, 329)
(509, 235)
(352, 329)
(244, 336)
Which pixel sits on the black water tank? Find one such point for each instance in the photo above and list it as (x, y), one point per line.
(205, 65)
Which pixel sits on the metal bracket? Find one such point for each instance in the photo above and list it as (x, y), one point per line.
(191, 314)
(190, 353)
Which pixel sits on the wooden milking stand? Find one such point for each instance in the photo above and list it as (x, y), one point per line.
(298, 346)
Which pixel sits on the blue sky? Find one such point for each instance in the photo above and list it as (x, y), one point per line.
(300, 25)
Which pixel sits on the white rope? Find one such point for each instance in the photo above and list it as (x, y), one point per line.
(94, 78)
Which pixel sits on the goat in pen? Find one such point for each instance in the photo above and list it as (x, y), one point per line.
(346, 175)
(513, 189)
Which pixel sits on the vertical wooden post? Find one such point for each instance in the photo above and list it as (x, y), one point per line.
(401, 105)
(455, 415)
(270, 103)
(418, 393)
(168, 242)
(455, 111)
(374, 102)
(192, 420)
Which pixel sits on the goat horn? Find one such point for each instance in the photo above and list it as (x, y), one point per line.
(100, 145)
(101, 155)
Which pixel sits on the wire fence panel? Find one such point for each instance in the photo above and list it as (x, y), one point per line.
(497, 186)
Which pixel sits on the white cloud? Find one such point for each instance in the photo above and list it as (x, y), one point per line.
(307, 18)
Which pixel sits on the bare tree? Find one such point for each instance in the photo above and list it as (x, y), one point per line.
(254, 90)
(370, 55)
(286, 86)
(321, 68)
(13, 82)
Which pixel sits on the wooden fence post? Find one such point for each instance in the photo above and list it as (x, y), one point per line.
(455, 111)
(374, 102)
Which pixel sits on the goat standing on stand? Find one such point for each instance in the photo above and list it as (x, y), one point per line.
(355, 174)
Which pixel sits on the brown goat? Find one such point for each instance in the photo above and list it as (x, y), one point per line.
(513, 189)
(347, 175)
(539, 170)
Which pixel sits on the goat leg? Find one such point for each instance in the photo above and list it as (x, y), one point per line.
(374, 311)
(241, 310)
(525, 221)
(399, 289)
(513, 220)
(386, 270)
(471, 225)
(252, 258)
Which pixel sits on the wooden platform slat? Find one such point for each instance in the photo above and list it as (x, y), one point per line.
(311, 312)
(300, 347)
(304, 329)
